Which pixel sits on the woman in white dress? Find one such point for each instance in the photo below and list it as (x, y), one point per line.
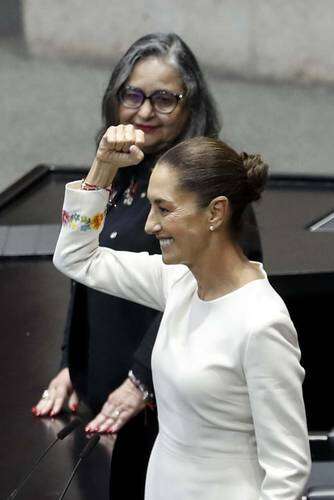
(226, 369)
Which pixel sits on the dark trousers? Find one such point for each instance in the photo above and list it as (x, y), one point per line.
(130, 456)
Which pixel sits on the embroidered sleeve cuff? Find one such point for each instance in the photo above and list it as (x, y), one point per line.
(84, 210)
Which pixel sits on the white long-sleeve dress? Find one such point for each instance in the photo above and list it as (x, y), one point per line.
(226, 372)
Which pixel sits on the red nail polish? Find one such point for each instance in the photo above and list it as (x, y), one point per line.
(34, 410)
(74, 407)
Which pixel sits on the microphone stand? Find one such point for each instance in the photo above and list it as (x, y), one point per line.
(61, 435)
(92, 442)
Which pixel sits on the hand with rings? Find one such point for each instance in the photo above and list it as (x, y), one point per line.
(54, 398)
(121, 405)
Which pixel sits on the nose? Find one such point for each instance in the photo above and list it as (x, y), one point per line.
(152, 226)
(146, 110)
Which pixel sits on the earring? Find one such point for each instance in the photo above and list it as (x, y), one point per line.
(211, 228)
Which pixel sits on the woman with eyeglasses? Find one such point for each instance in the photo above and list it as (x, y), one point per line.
(159, 89)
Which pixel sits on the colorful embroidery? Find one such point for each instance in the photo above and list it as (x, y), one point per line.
(79, 222)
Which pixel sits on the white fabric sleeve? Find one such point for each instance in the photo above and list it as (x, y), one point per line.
(138, 277)
(274, 378)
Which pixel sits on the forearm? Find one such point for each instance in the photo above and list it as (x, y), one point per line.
(274, 379)
(82, 220)
(131, 276)
(101, 174)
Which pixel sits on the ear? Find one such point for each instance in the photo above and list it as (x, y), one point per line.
(218, 211)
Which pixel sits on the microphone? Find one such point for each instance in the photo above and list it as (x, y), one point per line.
(61, 435)
(87, 449)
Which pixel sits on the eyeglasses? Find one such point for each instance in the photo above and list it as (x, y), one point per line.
(162, 101)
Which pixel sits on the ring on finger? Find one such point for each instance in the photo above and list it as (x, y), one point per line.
(115, 413)
(46, 394)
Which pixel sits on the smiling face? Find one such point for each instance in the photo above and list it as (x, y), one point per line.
(176, 219)
(149, 75)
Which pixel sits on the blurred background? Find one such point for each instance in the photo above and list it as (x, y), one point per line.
(270, 65)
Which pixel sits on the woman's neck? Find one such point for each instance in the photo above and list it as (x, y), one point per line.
(223, 269)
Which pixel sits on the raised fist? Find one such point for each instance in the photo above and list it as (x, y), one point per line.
(121, 146)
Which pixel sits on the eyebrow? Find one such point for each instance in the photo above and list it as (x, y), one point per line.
(158, 89)
(158, 200)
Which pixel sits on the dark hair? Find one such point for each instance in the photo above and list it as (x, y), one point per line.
(210, 168)
(203, 116)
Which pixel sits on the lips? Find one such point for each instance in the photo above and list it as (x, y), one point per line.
(147, 129)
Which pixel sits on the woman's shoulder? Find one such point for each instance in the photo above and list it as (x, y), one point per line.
(267, 311)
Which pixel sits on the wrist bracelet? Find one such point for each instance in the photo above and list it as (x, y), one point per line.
(93, 187)
(85, 186)
(147, 395)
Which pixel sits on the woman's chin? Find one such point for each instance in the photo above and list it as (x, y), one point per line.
(168, 258)
(151, 148)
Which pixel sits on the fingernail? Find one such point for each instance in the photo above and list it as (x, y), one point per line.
(74, 407)
(91, 429)
(34, 410)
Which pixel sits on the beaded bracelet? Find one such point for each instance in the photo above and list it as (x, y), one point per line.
(85, 186)
(90, 187)
(148, 396)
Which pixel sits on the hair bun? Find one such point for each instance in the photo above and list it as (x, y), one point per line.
(257, 173)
